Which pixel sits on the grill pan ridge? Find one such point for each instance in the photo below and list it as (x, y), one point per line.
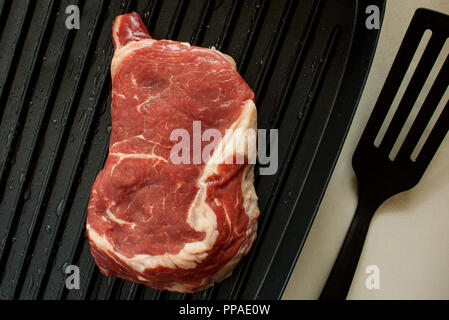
(306, 60)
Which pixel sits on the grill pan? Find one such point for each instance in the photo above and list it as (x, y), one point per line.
(306, 61)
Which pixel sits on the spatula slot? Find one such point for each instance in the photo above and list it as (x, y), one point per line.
(404, 84)
(424, 94)
(430, 126)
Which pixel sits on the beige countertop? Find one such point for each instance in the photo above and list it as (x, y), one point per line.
(408, 239)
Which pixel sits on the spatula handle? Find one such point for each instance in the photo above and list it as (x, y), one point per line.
(340, 278)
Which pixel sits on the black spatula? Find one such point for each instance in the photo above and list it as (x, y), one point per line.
(379, 177)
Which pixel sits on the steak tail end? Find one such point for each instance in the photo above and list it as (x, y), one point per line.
(128, 27)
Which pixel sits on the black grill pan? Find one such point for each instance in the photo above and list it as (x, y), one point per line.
(306, 60)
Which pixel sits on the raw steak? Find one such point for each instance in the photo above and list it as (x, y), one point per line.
(178, 227)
